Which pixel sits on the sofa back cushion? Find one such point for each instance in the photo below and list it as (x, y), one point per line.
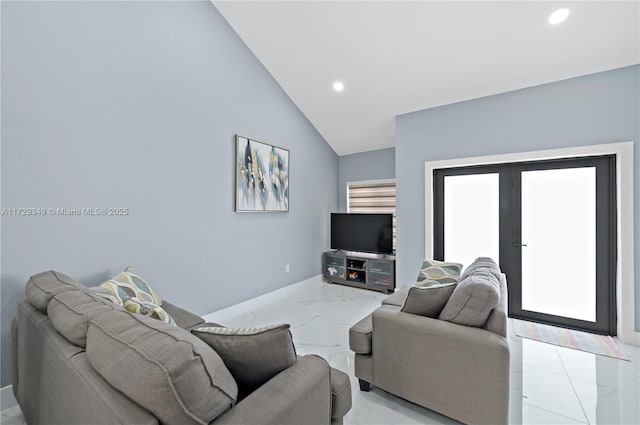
(475, 296)
(162, 367)
(497, 321)
(70, 312)
(42, 287)
(482, 264)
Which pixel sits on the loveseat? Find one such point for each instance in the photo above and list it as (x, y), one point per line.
(458, 370)
(80, 359)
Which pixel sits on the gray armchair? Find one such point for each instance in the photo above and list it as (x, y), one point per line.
(459, 371)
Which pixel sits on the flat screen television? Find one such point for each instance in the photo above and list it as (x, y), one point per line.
(362, 232)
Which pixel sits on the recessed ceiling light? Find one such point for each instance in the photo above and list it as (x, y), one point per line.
(338, 86)
(558, 16)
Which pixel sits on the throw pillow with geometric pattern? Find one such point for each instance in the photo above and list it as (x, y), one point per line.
(130, 291)
(106, 294)
(128, 284)
(434, 272)
(135, 305)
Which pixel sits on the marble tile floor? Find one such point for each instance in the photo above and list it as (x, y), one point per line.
(549, 384)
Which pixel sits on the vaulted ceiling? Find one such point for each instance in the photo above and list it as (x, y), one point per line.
(396, 57)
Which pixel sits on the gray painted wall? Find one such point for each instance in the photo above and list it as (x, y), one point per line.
(594, 109)
(373, 165)
(135, 105)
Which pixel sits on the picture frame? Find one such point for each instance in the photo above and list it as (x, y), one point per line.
(262, 176)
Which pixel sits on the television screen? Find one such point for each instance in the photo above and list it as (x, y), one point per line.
(362, 232)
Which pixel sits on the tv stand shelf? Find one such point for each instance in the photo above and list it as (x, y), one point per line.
(360, 269)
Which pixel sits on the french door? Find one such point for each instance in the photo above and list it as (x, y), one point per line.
(551, 225)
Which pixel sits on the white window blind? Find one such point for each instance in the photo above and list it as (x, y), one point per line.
(373, 198)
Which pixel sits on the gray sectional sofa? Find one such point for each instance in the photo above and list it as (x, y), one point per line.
(79, 359)
(458, 370)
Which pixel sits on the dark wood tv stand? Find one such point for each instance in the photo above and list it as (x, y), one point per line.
(360, 269)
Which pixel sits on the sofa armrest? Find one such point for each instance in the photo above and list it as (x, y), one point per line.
(460, 371)
(183, 318)
(300, 394)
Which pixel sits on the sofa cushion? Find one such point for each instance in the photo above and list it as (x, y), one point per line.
(253, 355)
(129, 284)
(163, 368)
(472, 300)
(435, 272)
(497, 320)
(485, 264)
(183, 318)
(340, 393)
(70, 312)
(42, 287)
(149, 309)
(427, 301)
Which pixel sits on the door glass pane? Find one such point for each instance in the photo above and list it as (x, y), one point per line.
(471, 217)
(559, 230)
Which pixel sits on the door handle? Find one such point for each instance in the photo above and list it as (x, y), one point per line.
(518, 244)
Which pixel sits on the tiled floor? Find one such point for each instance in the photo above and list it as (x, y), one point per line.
(549, 384)
(12, 416)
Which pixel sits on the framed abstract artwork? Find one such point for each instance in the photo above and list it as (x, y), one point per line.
(262, 176)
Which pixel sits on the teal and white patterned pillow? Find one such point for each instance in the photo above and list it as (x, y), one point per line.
(434, 272)
(127, 285)
(134, 305)
(106, 294)
(130, 291)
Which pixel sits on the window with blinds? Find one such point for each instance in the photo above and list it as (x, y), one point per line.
(373, 198)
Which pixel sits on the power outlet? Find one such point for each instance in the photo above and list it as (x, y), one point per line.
(286, 268)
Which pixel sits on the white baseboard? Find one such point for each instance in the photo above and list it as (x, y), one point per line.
(629, 336)
(7, 399)
(223, 316)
